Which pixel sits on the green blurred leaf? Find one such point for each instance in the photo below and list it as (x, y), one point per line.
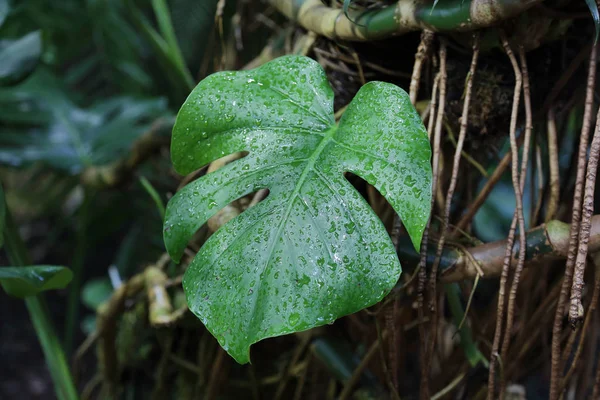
(2, 215)
(40, 123)
(4, 10)
(28, 281)
(193, 19)
(88, 324)
(95, 292)
(313, 250)
(19, 57)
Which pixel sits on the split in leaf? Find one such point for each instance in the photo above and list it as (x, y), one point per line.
(313, 250)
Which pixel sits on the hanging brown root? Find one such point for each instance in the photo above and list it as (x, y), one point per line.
(421, 271)
(464, 123)
(496, 175)
(390, 325)
(553, 163)
(439, 118)
(420, 57)
(556, 365)
(511, 234)
(457, 157)
(437, 153)
(519, 212)
(584, 330)
(422, 279)
(576, 309)
(453, 181)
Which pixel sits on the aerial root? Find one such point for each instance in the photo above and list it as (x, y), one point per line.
(518, 217)
(556, 365)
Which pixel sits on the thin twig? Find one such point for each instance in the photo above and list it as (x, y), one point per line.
(302, 378)
(357, 373)
(564, 79)
(464, 154)
(448, 388)
(484, 192)
(468, 307)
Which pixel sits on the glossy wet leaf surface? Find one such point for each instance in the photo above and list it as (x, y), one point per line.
(29, 281)
(313, 250)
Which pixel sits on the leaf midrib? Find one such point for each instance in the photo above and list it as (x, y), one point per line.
(327, 138)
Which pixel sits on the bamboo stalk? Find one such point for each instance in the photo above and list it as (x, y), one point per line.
(400, 18)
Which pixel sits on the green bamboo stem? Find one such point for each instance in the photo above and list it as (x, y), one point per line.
(548, 241)
(53, 352)
(400, 18)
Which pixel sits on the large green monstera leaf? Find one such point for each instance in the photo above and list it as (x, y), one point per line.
(313, 250)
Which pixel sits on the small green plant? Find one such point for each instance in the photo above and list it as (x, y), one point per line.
(25, 281)
(313, 250)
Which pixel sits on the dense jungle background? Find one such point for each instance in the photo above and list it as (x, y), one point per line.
(89, 92)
